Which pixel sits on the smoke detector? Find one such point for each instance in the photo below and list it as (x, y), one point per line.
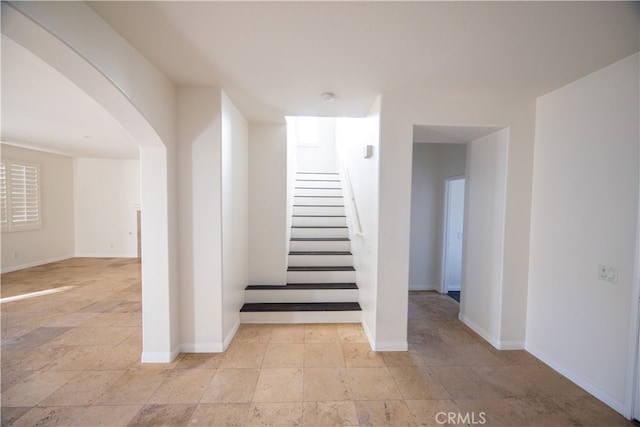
(328, 97)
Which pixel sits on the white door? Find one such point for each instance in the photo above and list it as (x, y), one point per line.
(453, 234)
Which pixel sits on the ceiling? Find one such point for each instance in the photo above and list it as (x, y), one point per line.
(277, 58)
(43, 110)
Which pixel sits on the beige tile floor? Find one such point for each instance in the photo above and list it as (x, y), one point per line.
(72, 358)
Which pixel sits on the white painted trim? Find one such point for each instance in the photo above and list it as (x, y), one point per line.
(35, 263)
(191, 347)
(391, 346)
(511, 345)
(131, 255)
(163, 357)
(232, 333)
(479, 330)
(632, 407)
(367, 332)
(598, 393)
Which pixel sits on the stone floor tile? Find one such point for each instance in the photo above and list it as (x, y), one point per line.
(284, 355)
(231, 386)
(323, 355)
(327, 414)
(326, 384)
(279, 385)
(220, 414)
(275, 414)
(182, 387)
(383, 413)
(373, 384)
(163, 415)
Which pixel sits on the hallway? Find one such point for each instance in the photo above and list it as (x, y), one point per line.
(72, 358)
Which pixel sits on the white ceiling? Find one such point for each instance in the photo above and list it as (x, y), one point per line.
(43, 110)
(276, 58)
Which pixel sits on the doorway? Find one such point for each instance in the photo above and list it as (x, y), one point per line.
(453, 234)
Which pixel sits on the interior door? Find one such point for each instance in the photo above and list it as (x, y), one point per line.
(453, 236)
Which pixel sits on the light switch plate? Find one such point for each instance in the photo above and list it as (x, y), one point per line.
(608, 273)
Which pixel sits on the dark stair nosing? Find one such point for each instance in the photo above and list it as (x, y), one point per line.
(324, 197)
(317, 180)
(300, 306)
(320, 239)
(320, 253)
(319, 216)
(302, 286)
(322, 268)
(320, 206)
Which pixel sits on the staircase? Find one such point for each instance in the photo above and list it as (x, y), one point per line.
(321, 284)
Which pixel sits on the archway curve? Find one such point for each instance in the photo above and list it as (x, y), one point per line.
(39, 27)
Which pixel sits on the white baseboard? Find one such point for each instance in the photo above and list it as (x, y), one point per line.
(161, 357)
(606, 398)
(126, 255)
(391, 346)
(479, 330)
(367, 332)
(494, 341)
(230, 335)
(382, 346)
(35, 263)
(211, 347)
(511, 345)
(190, 347)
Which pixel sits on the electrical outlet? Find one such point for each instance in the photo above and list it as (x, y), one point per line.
(608, 273)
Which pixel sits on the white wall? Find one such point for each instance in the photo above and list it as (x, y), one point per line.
(363, 175)
(55, 240)
(432, 164)
(107, 198)
(584, 213)
(200, 189)
(267, 204)
(483, 246)
(235, 215)
(321, 157)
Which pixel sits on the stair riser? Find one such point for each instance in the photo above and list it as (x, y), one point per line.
(321, 276)
(318, 210)
(320, 260)
(318, 184)
(319, 232)
(318, 176)
(318, 201)
(320, 246)
(319, 221)
(301, 295)
(318, 192)
(302, 317)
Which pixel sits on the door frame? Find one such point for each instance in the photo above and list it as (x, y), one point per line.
(445, 223)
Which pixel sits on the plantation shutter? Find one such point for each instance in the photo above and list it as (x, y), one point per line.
(4, 220)
(25, 206)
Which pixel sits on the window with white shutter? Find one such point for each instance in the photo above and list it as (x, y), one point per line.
(19, 196)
